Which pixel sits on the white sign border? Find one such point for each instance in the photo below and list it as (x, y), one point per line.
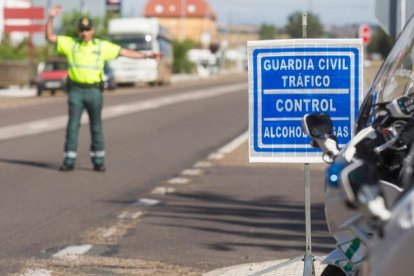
(295, 157)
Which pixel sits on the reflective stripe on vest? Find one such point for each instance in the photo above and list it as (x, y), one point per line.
(76, 65)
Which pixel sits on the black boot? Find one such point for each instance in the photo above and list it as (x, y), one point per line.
(99, 168)
(66, 168)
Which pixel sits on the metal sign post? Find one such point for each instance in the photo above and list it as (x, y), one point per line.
(289, 79)
(309, 268)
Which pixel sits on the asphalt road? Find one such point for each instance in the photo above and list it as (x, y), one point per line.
(227, 213)
(41, 208)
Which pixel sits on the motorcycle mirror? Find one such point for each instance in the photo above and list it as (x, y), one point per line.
(318, 125)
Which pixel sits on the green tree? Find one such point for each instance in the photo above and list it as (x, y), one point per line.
(70, 24)
(69, 27)
(294, 25)
(181, 62)
(9, 51)
(381, 43)
(267, 32)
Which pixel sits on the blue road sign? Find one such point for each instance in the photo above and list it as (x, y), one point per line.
(291, 78)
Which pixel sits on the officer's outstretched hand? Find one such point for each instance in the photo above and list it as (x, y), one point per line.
(154, 55)
(55, 11)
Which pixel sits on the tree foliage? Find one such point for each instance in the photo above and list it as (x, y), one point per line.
(181, 62)
(71, 19)
(9, 51)
(267, 32)
(294, 25)
(381, 43)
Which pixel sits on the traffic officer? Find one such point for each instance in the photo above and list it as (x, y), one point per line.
(86, 57)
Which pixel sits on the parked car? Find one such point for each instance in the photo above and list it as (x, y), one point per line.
(53, 76)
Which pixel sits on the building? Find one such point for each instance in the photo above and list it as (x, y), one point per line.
(185, 19)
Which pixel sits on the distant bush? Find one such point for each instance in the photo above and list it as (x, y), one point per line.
(8, 51)
(181, 62)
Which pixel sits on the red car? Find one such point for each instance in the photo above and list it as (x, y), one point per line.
(53, 76)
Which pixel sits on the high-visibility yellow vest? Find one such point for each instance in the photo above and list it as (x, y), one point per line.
(86, 59)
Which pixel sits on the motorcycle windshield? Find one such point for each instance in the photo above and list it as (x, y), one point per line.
(395, 77)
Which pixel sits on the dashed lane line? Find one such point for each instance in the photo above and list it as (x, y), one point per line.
(146, 202)
(178, 181)
(215, 156)
(130, 215)
(72, 251)
(112, 234)
(163, 191)
(192, 172)
(203, 164)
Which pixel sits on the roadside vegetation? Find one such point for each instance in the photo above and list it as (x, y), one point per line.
(381, 43)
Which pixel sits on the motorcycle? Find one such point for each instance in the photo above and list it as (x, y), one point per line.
(368, 197)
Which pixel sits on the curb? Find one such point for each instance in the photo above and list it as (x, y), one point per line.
(295, 268)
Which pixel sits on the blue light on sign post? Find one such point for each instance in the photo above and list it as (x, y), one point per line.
(291, 78)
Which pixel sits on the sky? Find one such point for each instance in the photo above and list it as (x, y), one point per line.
(275, 12)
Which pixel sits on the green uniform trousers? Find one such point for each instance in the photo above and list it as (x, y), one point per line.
(90, 99)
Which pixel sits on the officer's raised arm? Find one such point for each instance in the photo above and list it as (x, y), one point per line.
(49, 33)
(136, 54)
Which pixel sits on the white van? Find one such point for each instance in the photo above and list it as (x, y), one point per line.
(146, 35)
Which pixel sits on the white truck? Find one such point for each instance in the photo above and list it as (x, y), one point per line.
(146, 35)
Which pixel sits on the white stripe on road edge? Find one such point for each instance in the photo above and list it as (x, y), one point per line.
(146, 202)
(41, 126)
(37, 272)
(202, 164)
(107, 232)
(234, 144)
(192, 172)
(72, 251)
(163, 191)
(229, 147)
(215, 156)
(130, 215)
(178, 180)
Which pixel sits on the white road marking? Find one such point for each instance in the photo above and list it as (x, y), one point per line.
(107, 232)
(202, 164)
(45, 125)
(39, 125)
(146, 202)
(72, 251)
(192, 172)
(163, 191)
(178, 180)
(234, 144)
(37, 272)
(215, 156)
(130, 215)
